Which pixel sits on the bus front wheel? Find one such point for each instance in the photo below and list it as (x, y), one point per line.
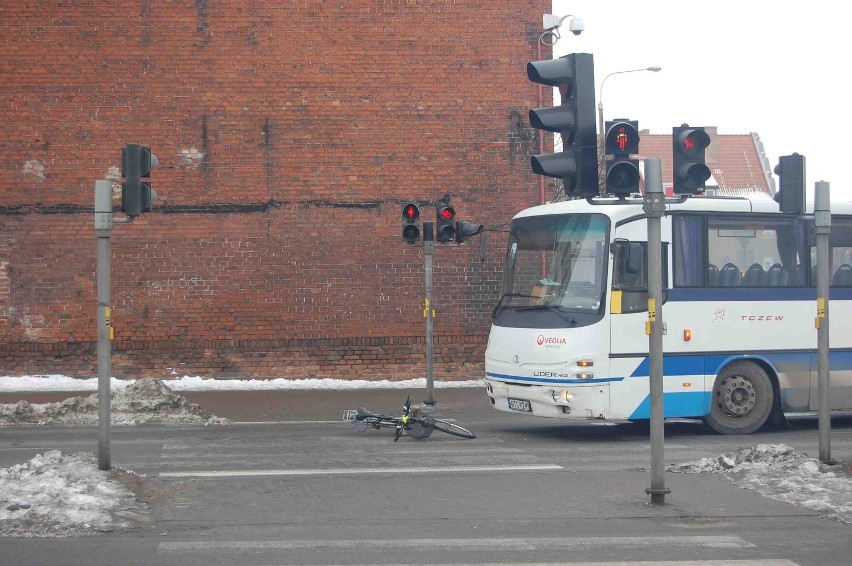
(742, 399)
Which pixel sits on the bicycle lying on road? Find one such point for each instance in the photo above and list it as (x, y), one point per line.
(412, 422)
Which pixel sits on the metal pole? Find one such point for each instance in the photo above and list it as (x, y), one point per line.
(103, 231)
(655, 205)
(428, 312)
(822, 224)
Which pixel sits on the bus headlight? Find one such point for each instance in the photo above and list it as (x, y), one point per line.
(561, 396)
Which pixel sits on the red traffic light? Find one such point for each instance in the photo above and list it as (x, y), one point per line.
(622, 137)
(690, 171)
(410, 222)
(410, 211)
(690, 142)
(446, 213)
(445, 226)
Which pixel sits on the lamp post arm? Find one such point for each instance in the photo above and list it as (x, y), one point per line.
(600, 91)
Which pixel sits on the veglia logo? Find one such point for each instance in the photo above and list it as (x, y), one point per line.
(543, 340)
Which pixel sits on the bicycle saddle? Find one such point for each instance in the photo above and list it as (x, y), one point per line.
(363, 413)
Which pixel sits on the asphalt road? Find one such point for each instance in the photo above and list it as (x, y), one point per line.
(292, 484)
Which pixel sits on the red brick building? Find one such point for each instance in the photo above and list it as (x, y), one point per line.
(289, 134)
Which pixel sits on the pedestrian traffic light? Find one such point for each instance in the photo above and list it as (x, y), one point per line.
(445, 223)
(574, 119)
(137, 161)
(465, 230)
(689, 171)
(621, 141)
(791, 183)
(410, 222)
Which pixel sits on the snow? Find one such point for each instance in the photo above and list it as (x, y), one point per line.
(56, 382)
(141, 401)
(778, 472)
(56, 495)
(67, 495)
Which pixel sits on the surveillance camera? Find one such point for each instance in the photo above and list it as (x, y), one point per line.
(576, 26)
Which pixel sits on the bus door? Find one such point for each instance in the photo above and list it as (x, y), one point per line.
(628, 307)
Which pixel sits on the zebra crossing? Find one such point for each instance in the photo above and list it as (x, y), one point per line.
(330, 458)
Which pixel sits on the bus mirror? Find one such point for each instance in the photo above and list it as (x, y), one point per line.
(510, 259)
(633, 261)
(617, 244)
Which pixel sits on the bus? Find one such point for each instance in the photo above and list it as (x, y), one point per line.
(568, 337)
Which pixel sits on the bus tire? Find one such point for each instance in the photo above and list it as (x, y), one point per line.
(741, 400)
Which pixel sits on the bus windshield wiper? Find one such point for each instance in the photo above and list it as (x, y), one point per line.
(503, 298)
(571, 320)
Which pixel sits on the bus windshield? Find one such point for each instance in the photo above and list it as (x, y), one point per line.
(555, 272)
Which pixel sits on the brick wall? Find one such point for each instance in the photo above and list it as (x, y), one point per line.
(289, 134)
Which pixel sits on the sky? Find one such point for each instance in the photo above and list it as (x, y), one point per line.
(56, 494)
(773, 67)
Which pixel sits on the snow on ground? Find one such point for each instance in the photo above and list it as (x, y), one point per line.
(67, 495)
(142, 401)
(56, 495)
(58, 382)
(779, 472)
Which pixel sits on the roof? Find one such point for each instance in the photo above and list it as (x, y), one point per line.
(737, 162)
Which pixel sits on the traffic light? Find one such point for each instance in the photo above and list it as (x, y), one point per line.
(622, 173)
(445, 223)
(791, 183)
(574, 119)
(465, 230)
(410, 222)
(689, 172)
(137, 161)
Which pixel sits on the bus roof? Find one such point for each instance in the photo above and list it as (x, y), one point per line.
(627, 208)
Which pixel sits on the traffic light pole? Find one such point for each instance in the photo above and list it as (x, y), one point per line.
(428, 313)
(822, 225)
(655, 205)
(103, 230)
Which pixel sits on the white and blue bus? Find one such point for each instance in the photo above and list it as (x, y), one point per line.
(568, 334)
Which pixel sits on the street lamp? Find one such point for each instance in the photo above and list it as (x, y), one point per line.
(600, 93)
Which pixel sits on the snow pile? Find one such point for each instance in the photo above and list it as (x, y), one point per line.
(779, 472)
(142, 401)
(55, 495)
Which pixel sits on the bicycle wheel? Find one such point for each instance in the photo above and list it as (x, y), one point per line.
(452, 428)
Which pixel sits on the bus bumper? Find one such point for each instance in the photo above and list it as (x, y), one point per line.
(568, 402)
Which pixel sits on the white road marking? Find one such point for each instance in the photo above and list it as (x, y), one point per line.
(526, 544)
(358, 471)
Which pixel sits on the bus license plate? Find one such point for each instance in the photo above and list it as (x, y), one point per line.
(520, 405)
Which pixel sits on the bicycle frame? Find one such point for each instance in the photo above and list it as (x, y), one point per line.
(417, 424)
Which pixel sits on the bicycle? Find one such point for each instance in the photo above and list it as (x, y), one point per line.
(412, 422)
